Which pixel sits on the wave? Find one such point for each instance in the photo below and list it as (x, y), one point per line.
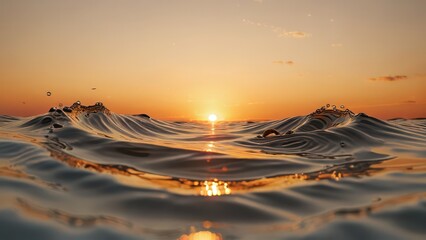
(103, 174)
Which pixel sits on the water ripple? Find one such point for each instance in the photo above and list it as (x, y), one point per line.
(84, 172)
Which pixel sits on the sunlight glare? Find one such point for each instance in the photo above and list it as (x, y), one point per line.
(212, 117)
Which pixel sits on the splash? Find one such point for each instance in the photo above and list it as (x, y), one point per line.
(77, 108)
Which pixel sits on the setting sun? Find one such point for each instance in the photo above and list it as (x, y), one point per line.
(212, 117)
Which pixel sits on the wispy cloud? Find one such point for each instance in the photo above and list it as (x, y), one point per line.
(283, 62)
(390, 78)
(409, 101)
(281, 32)
(295, 34)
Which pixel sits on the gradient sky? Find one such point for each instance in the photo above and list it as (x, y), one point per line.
(240, 59)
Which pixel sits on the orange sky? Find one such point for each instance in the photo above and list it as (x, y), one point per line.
(239, 59)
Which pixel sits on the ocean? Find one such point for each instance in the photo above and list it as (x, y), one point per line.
(85, 172)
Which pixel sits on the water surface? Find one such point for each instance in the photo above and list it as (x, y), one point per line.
(83, 172)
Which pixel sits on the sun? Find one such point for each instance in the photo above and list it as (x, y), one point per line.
(212, 117)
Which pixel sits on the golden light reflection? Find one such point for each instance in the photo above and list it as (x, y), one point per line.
(212, 119)
(201, 235)
(209, 146)
(215, 188)
(333, 175)
(336, 175)
(134, 177)
(212, 128)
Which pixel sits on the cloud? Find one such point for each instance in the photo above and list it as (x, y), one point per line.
(281, 32)
(409, 101)
(283, 62)
(295, 34)
(390, 78)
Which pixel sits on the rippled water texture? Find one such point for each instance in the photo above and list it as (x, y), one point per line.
(88, 173)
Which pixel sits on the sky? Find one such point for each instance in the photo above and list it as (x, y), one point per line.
(239, 59)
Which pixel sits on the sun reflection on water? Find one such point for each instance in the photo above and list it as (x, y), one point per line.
(215, 188)
(209, 146)
(201, 235)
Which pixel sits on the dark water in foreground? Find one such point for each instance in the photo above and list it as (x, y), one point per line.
(86, 173)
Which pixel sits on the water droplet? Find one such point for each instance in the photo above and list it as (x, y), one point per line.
(328, 105)
(342, 144)
(48, 94)
(93, 88)
(334, 107)
(78, 102)
(99, 104)
(342, 106)
(60, 105)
